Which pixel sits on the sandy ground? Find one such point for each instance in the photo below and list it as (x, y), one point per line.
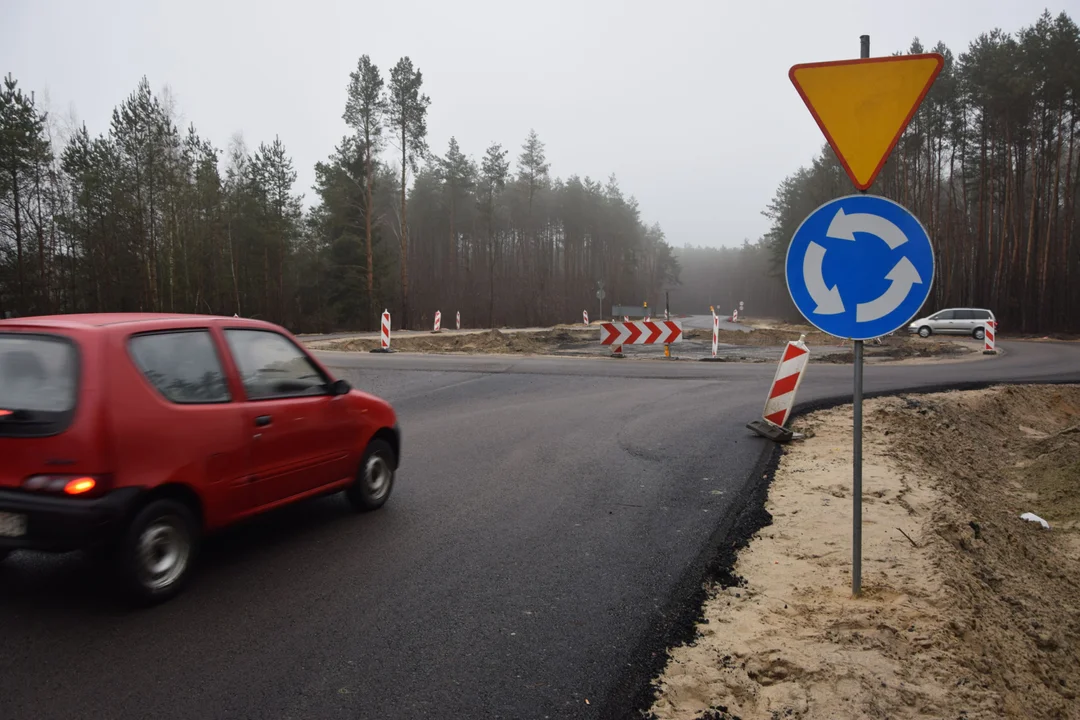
(967, 610)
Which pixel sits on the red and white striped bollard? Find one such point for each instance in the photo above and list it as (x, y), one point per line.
(438, 322)
(789, 374)
(385, 335)
(990, 337)
(715, 333)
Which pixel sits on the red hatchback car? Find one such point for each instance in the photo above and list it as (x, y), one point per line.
(138, 433)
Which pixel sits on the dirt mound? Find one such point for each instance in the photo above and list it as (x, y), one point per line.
(488, 342)
(967, 610)
(892, 349)
(763, 337)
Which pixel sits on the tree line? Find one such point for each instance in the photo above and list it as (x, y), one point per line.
(152, 217)
(989, 164)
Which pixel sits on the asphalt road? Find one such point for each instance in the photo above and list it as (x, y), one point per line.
(546, 513)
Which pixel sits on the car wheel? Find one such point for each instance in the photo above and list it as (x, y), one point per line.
(925, 332)
(375, 479)
(979, 333)
(157, 552)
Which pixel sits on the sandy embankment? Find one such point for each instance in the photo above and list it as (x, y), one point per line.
(967, 611)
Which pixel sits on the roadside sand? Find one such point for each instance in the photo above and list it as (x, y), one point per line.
(967, 611)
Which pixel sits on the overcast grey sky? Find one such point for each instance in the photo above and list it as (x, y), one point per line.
(687, 102)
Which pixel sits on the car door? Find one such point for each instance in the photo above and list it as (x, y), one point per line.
(942, 322)
(209, 451)
(299, 430)
(964, 322)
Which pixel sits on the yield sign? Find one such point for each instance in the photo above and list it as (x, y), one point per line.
(863, 106)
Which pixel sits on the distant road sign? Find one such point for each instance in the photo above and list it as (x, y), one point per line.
(600, 294)
(860, 267)
(862, 106)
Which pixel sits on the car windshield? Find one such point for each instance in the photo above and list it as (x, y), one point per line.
(37, 373)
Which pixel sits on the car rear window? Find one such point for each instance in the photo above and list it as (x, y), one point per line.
(38, 373)
(182, 365)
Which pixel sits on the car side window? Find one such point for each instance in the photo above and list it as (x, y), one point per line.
(980, 314)
(964, 315)
(943, 315)
(271, 366)
(182, 365)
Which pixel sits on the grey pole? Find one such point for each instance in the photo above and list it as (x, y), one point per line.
(857, 403)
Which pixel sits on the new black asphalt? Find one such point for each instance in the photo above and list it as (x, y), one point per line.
(547, 534)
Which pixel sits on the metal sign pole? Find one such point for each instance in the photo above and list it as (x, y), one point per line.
(856, 473)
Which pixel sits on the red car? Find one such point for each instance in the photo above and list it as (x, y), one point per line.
(139, 433)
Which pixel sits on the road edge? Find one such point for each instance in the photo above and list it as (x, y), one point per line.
(676, 621)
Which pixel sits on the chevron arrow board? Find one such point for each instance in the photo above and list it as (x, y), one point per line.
(660, 332)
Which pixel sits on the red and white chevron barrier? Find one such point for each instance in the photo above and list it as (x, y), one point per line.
(990, 337)
(457, 321)
(641, 333)
(786, 383)
(626, 318)
(734, 316)
(438, 322)
(585, 316)
(715, 334)
(385, 336)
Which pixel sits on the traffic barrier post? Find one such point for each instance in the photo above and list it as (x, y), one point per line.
(781, 397)
(990, 337)
(384, 334)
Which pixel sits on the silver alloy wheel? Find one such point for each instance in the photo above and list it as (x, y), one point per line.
(377, 475)
(980, 334)
(163, 551)
(924, 332)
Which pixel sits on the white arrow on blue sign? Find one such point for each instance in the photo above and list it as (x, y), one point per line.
(860, 267)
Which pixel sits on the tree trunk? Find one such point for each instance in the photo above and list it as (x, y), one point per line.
(367, 229)
(21, 304)
(404, 238)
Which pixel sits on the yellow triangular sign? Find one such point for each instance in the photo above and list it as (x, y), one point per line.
(862, 106)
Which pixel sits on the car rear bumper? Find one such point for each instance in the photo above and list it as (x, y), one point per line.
(60, 524)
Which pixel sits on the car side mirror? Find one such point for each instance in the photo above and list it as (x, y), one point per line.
(340, 387)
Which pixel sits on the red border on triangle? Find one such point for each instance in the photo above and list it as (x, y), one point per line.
(903, 126)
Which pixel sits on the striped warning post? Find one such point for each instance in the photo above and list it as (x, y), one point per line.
(457, 321)
(786, 383)
(990, 337)
(734, 316)
(438, 322)
(585, 316)
(715, 334)
(385, 338)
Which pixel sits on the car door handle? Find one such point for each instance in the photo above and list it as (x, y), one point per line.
(262, 421)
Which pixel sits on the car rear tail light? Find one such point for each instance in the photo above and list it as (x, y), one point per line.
(74, 485)
(80, 486)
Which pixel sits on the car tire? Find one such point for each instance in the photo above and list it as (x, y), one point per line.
(375, 477)
(978, 333)
(156, 554)
(925, 332)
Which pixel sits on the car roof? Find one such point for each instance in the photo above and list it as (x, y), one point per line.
(91, 321)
